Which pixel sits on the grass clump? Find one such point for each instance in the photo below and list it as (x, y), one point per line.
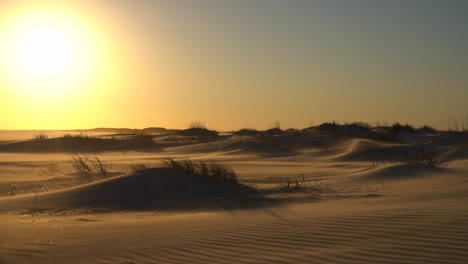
(199, 130)
(41, 136)
(429, 158)
(137, 167)
(218, 171)
(197, 125)
(87, 168)
(422, 156)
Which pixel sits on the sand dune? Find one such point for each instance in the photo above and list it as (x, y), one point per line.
(204, 147)
(333, 203)
(356, 147)
(156, 188)
(260, 147)
(79, 144)
(396, 172)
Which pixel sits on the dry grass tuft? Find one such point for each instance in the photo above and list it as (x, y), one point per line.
(422, 156)
(220, 172)
(41, 136)
(87, 168)
(137, 167)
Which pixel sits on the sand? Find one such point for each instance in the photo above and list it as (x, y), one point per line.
(348, 207)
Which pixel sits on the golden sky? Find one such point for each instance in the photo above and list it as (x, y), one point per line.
(231, 64)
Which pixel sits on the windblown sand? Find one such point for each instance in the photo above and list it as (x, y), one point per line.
(346, 208)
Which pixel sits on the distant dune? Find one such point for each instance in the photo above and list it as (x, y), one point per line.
(261, 147)
(80, 144)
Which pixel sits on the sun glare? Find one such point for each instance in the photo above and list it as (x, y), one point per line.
(46, 53)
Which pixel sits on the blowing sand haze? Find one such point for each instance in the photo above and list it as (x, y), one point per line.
(304, 197)
(209, 131)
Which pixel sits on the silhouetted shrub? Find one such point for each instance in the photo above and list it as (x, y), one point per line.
(246, 132)
(398, 128)
(273, 132)
(427, 130)
(198, 132)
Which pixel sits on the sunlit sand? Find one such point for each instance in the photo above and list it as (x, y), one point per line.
(304, 197)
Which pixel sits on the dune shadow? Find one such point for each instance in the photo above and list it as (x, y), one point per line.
(160, 189)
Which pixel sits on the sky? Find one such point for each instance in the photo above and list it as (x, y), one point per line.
(231, 64)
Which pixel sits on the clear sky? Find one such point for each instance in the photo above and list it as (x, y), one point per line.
(231, 64)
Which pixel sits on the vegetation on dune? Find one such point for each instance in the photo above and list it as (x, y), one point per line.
(84, 143)
(246, 132)
(198, 129)
(41, 136)
(421, 156)
(88, 168)
(398, 128)
(427, 130)
(137, 167)
(221, 172)
(197, 125)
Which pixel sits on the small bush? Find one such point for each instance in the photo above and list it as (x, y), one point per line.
(398, 128)
(219, 171)
(427, 130)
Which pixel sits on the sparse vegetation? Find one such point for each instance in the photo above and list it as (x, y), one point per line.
(422, 156)
(87, 168)
(101, 167)
(41, 136)
(199, 131)
(277, 124)
(429, 158)
(50, 169)
(295, 183)
(246, 132)
(137, 167)
(301, 182)
(427, 130)
(398, 128)
(197, 125)
(218, 171)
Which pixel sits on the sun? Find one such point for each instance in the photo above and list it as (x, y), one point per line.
(45, 52)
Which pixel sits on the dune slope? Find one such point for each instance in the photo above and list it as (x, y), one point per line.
(156, 188)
